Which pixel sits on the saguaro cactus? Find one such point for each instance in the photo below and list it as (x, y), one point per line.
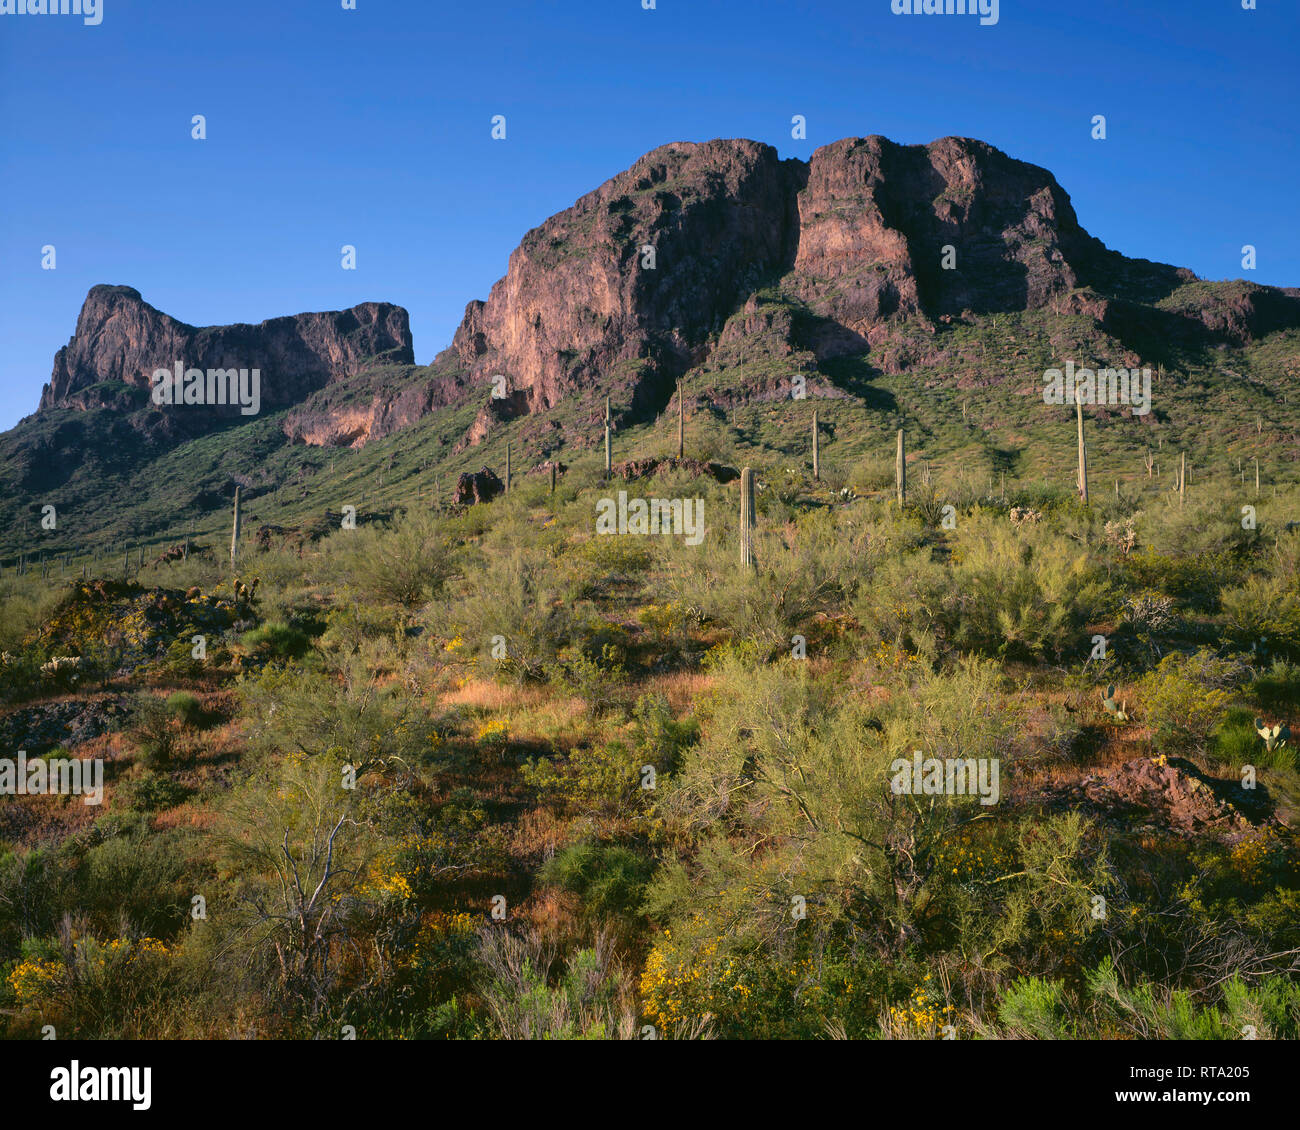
(1257, 476)
(1182, 478)
(747, 516)
(552, 476)
(609, 467)
(1083, 451)
(507, 468)
(900, 469)
(681, 423)
(817, 465)
(234, 533)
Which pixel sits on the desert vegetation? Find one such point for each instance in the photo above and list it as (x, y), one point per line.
(482, 773)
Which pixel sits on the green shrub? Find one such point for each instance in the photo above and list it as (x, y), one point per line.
(1185, 697)
(186, 708)
(276, 640)
(609, 878)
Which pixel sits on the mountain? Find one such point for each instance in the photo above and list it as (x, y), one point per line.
(950, 266)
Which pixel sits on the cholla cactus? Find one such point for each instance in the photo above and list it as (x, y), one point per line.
(1118, 713)
(1274, 736)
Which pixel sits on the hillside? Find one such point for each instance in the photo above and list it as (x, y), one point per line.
(832, 271)
(934, 709)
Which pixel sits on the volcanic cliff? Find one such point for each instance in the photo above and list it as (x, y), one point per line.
(698, 255)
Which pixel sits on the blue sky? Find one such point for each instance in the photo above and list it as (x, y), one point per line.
(371, 127)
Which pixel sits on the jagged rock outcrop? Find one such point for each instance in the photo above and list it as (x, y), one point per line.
(477, 486)
(799, 262)
(700, 257)
(581, 305)
(121, 338)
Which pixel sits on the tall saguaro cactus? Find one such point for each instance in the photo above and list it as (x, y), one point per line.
(817, 464)
(681, 422)
(747, 516)
(1083, 452)
(1182, 478)
(609, 467)
(552, 476)
(234, 532)
(900, 469)
(507, 468)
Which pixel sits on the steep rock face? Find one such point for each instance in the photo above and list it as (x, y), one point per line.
(120, 337)
(856, 236)
(875, 217)
(377, 402)
(580, 300)
(758, 258)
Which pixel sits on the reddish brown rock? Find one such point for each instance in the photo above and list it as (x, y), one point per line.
(121, 338)
(477, 486)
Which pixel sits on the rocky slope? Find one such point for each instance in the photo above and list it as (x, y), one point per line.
(714, 258)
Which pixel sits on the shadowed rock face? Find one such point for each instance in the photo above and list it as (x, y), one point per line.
(120, 337)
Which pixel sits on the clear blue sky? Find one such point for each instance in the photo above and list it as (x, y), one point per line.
(372, 127)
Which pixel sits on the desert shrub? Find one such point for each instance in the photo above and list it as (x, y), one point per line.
(795, 763)
(609, 878)
(797, 577)
(136, 882)
(1234, 741)
(152, 792)
(186, 708)
(276, 641)
(1034, 1008)
(598, 779)
(531, 996)
(300, 857)
(514, 595)
(1264, 614)
(1185, 697)
(1025, 592)
(344, 718)
(905, 605)
(611, 558)
(406, 564)
(156, 730)
(1278, 687)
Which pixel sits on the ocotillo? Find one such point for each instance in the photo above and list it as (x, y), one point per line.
(746, 516)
